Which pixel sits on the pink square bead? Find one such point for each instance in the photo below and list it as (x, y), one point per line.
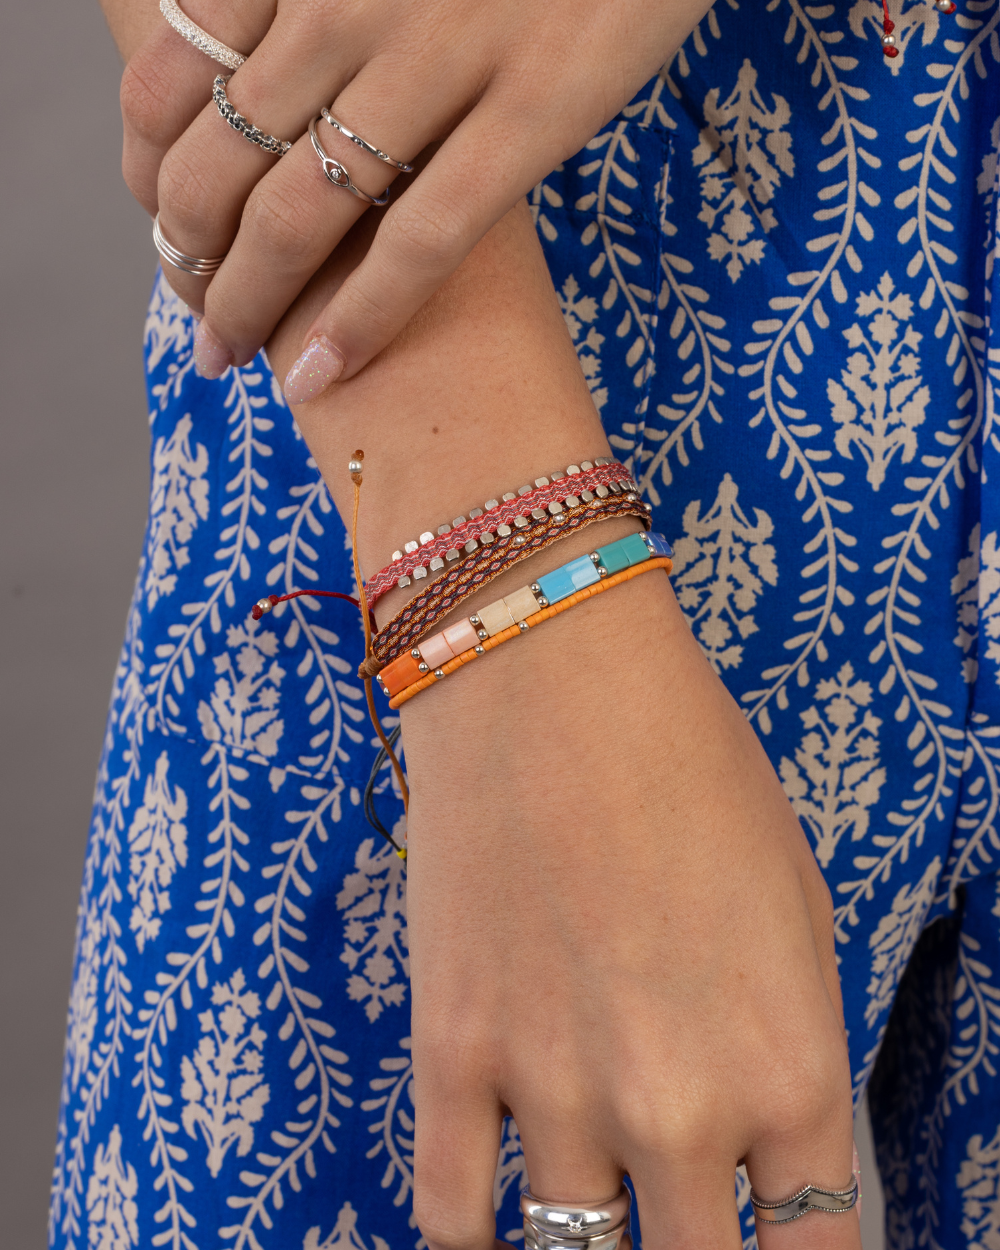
(461, 637)
(435, 651)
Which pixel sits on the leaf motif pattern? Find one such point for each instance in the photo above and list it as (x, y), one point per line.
(821, 448)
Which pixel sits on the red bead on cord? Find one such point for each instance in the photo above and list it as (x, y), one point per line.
(889, 48)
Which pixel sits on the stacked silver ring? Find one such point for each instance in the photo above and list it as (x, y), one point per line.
(335, 173)
(364, 144)
(810, 1198)
(197, 265)
(576, 1226)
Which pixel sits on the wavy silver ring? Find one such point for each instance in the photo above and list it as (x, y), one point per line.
(336, 174)
(228, 113)
(196, 265)
(201, 39)
(810, 1198)
(367, 147)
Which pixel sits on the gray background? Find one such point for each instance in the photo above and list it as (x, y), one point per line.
(76, 264)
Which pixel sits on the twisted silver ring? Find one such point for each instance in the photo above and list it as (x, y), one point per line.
(811, 1198)
(228, 113)
(336, 174)
(576, 1226)
(196, 265)
(367, 147)
(201, 39)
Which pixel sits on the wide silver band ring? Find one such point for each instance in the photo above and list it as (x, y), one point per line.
(197, 265)
(336, 174)
(361, 143)
(811, 1198)
(576, 1226)
(201, 39)
(228, 113)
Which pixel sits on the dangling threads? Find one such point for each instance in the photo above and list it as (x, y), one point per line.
(263, 606)
(888, 26)
(356, 470)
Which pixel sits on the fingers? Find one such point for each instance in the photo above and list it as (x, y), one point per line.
(808, 1141)
(466, 188)
(456, 1144)
(167, 82)
(294, 218)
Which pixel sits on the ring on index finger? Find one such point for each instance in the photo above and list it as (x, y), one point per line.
(336, 174)
(365, 146)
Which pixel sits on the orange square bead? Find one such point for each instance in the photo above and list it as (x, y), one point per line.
(402, 672)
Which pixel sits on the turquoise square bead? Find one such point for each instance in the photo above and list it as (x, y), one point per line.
(561, 583)
(635, 549)
(613, 557)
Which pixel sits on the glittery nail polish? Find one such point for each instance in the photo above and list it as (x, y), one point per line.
(211, 358)
(319, 365)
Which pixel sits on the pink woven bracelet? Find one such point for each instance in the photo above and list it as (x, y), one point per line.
(433, 552)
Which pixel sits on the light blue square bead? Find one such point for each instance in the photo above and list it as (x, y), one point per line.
(561, 583)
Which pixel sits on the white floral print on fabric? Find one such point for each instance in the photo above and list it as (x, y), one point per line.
(822, 449)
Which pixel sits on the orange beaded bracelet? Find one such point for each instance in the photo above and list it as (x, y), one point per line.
(515, 631)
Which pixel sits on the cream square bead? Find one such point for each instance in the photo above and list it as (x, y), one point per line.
(521, 604)
(496, 617)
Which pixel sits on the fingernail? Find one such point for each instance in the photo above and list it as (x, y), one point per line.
(319, 365)
(211, 358)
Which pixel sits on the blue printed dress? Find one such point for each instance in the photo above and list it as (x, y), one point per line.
(777, 266)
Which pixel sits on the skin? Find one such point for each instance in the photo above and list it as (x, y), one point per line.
(502, 92)
(630, 950)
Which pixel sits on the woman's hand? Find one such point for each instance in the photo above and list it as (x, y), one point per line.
(618, 934)
(618, 931)
(502, 91)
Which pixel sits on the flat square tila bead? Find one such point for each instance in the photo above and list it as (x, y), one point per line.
(521, 604)
(435, 651)
(461, 636)
(561, 583)
(401, 673)
(495, 617)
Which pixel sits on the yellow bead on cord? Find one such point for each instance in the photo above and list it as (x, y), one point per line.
(515, 631)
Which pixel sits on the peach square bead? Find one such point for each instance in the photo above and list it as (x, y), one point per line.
(402, 672)
(461, 637)
(435, 650)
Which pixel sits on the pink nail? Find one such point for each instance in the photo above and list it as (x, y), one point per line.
(211, 358)
(319, 365)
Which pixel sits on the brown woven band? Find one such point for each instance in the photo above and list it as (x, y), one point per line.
(445, 593)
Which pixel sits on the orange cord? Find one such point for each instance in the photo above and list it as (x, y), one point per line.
(515, 631)
(356, 478)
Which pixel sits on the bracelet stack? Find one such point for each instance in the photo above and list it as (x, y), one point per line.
(445, 593)
(562, 490)
(442, 654)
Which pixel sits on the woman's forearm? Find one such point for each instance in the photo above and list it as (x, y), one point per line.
(481, 393)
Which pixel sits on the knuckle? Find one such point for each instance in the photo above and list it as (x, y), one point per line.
(427, 234)
(143, 90)
(445, 1227)
(186, 192)
(278, 223)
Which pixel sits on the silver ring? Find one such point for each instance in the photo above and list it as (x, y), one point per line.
(201, 39)
(189, 264)
(576, 1226)
(810, 1198)
(228, 113)
(367, 147)
(336, 174)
